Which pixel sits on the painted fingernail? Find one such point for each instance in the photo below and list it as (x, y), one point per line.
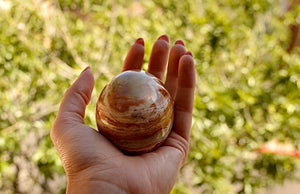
(179, 42)
(164, 37)
(88, 67)
(188, 53)
(140, 41)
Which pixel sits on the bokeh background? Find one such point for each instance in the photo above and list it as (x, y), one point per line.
(246, 117)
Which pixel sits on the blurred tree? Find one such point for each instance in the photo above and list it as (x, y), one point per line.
(289, 5)
(247, 84)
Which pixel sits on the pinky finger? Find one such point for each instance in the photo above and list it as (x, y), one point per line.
(184, 100)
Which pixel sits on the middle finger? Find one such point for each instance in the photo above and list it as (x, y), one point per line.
(159, 57)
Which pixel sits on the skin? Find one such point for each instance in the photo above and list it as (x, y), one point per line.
(94, 165)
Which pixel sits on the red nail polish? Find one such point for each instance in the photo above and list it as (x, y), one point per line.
(179, 42)
(88, 67)
(140, 41)
(164, 37)
(188, 53)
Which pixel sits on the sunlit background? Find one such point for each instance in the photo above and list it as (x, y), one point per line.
(246, 126)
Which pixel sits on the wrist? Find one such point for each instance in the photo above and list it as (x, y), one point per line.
(91, 185)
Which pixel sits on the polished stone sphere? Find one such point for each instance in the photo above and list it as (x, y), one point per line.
(135, 112)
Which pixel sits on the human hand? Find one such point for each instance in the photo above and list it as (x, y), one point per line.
(93, 164)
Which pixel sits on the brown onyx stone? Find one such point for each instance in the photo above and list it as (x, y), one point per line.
(135, 112)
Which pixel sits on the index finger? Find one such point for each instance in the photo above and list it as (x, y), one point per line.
(135, 56)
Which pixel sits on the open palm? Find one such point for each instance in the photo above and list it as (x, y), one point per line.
(93, 164)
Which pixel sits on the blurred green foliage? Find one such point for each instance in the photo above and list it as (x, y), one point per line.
(247, 84)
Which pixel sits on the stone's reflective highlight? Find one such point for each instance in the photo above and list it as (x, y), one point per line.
(135, 112)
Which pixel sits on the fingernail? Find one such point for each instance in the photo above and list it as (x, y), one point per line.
(164, 37)
(140, 41)
(188, 53)
(88, 67)
(179, 42)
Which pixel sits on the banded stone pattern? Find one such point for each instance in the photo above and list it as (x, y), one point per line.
(135, 112)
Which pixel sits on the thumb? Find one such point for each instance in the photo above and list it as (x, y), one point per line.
(76, 98)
